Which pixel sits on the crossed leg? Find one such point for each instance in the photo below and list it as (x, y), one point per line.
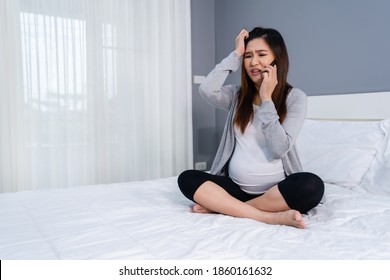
(270, 208)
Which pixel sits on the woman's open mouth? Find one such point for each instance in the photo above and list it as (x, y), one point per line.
(255, 71)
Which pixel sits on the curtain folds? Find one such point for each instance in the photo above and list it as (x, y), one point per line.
(93, 92)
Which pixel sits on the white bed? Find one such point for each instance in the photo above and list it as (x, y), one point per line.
(152, 220)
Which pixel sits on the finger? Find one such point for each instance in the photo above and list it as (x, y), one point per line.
(271, 69)
(243, 33)
(266, 70)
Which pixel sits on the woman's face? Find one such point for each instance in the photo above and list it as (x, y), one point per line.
(257, 56)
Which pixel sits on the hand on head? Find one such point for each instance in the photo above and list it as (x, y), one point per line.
(240, 42)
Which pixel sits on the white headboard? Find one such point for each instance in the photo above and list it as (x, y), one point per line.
(359, 106)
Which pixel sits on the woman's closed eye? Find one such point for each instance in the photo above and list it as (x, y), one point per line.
(250, 55)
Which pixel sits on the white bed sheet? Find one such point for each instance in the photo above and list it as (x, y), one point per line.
(152, 220)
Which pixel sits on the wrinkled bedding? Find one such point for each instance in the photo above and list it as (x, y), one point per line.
(152, 220)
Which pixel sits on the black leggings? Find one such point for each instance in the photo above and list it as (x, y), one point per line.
(302, 191)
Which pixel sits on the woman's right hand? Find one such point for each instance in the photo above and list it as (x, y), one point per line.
(240, 43)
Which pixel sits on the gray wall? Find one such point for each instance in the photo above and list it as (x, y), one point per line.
(203, 60)
(335, 46)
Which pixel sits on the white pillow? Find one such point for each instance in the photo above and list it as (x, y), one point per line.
(340, 152)
(377, 179)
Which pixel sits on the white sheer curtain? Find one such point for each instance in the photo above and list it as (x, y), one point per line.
(93, 92)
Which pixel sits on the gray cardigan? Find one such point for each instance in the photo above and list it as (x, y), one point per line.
(280, 137)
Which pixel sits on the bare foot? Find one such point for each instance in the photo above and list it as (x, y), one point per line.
(197, 208)
(288, 218)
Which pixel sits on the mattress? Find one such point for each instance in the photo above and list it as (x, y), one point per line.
(152, 220)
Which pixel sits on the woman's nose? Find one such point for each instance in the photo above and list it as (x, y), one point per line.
(254, 61)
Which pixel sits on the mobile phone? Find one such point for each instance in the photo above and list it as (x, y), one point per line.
(273, 63)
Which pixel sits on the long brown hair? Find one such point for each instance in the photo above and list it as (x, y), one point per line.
(247, 94)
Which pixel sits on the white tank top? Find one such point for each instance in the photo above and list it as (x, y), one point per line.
(252, 166)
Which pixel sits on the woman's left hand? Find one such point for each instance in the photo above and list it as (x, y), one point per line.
(270, 80)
